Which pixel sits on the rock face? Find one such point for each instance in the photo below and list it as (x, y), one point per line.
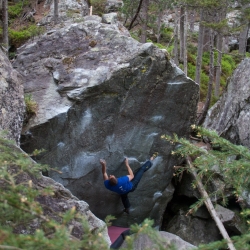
(165, 239)
(198, 227)
(11, 99)
(101, 94)
(230, 116)
(230, 219)
(11, 118)
(113, 5)
(194, 230)
(67, 9)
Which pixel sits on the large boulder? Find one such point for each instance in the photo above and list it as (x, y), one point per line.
(231, 220)
(230, 116)
(102, 94)
(194, 230)
(113, 5)
(12, 105)
(67, 10)
(11, 118)
(164, 239)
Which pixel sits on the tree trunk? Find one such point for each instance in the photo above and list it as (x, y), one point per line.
(160, 14)
(144, 18)
(243, 40)
(219, 43)
(176, 43)
(192, 20)
(136, 15)
(210, 206)
(185, 43)
(210, 16)
(211, 79)
(218, 67)
(182, 30)
(56, 15)
(5, 26)
(199, 50)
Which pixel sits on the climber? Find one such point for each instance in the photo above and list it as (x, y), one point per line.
(125, 184)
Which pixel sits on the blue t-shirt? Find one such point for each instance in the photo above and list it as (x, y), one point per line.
(123, 185)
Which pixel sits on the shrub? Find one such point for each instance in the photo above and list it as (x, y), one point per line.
(166, 34)
(191, 57)
(191, 70)
(227, 65)
(160, 46)
(232, 164)
(170, 49)
(16, 9)
(21, 211)
(98, 7)
(203, 85)
(18, 37)
(192, 50)
(205, 58)
(31, 105)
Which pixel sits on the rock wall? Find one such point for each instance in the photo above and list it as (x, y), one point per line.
(165, 240)
(11, 100)
(230, 116)
(102, 94)
(11, 118)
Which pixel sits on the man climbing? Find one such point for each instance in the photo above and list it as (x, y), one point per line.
(125, 184)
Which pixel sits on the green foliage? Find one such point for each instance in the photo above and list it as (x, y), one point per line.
(18, 37)
(128, 11)
(20, 212)
(192, 49)
(16, 9)
(146, 229)
(203, 85)
(204, 80)
(31, 105)
(98, 7)
(71, 13)
(170, 49)
(230, 161)
(191, 70)
(160, 46)
(19, 209)
(135, 35)
(166, 34)
(228, 65)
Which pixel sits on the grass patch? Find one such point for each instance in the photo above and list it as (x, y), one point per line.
(16, 9)
(18, 37)
(31, 105)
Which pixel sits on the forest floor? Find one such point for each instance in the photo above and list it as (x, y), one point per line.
(41, 11)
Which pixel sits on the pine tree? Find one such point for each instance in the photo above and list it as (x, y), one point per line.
(244, 19)
(5, 25)
(224, 158)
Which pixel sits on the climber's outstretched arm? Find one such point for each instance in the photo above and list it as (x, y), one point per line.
(104, 173)
(130, 172)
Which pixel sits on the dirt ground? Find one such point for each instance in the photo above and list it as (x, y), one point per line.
(40, 11)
